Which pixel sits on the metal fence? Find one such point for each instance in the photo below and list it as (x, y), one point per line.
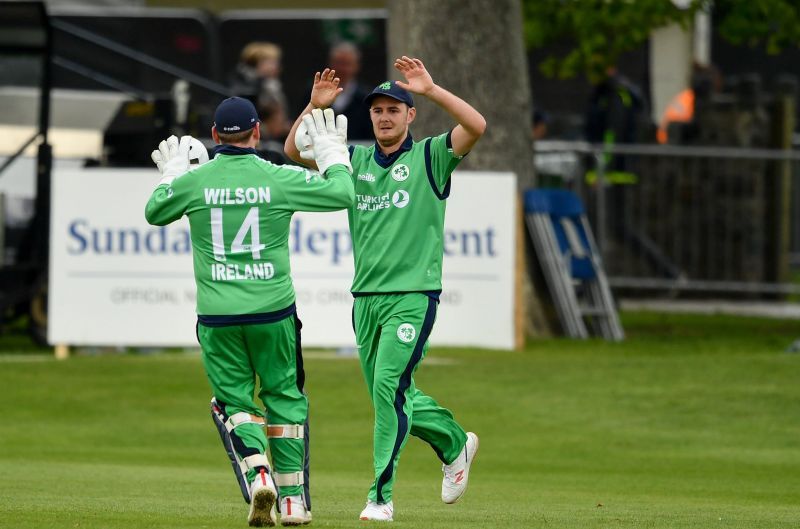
(713, 220)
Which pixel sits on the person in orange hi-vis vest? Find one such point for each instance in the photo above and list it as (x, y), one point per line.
(679, 110)
(706, 80)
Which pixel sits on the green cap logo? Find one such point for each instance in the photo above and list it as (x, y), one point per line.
(386, 86)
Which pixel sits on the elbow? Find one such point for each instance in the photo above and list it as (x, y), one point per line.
(291, 151)
(480, 126)
(150, 215)
(153, 221)
(288, 146)
(349, 195)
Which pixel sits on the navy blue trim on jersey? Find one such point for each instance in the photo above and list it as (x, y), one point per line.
(232, 150)
(351, 149)
(449, 142)
(400, 396)
(226, 320)
(429, 169)
(433, 294)
(387, 160)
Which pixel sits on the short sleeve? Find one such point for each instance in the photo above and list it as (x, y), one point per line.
(440, 162)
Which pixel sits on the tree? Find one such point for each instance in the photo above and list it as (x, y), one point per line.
(476, 50)
(601, 30)
(773, 24)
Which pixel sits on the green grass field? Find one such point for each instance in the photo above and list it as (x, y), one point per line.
(693, 422)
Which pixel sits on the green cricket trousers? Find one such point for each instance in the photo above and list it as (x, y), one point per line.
(233, 355)
(392, 333)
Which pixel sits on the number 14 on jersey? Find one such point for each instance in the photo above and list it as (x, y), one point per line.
(249, 225)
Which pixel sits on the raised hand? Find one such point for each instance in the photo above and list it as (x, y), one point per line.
(325, 88)
(325, 132)
(173, 156)
(418, 80)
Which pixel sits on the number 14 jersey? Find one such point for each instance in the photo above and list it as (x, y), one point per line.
(240, 209)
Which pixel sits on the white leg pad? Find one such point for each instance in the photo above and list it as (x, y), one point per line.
(285, 431)
(289, 479)
(237, 419)
(251, 462)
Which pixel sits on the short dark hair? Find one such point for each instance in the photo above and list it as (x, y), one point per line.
(235, 137)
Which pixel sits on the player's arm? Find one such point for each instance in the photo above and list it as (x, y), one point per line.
(167, 204)
(331, 188)
(169, 200)
(308, 190)
(323, 93)
(471, 124)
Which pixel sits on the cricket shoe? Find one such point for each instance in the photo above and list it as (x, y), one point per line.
(262, 501)
(456, 474)
(378, 512)
(293, 511)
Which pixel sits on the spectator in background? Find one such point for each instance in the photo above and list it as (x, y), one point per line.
(269, 148)
(345, 59)
(539, 124)
(617, 113)
(615, 110)
(706, 81)
(257, 78)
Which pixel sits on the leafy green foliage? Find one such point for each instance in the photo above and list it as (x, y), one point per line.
(597, 32)
(773, 23)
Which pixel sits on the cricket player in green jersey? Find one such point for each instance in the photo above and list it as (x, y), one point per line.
(240, 208)
(397, 226)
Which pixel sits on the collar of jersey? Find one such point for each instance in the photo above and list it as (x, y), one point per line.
(232, 150)
(386, 160)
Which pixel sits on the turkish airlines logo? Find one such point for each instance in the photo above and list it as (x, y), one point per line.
(400, 199)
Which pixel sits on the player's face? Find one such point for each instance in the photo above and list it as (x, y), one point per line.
(390, 120)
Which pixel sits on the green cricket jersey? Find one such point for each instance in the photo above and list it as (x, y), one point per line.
(240, 208)
(397, 221)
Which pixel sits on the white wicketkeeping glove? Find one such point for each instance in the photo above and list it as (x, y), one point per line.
(173, 157)
(327, 135)
(303, 141)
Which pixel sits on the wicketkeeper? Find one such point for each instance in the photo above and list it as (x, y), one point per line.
(240, 208)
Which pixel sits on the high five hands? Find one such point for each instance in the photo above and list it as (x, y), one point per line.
(325, 89)
(418, 80)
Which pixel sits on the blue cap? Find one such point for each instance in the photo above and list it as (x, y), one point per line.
(390, 89)
(235, 114)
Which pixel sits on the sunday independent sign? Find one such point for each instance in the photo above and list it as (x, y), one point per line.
(116, 280)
